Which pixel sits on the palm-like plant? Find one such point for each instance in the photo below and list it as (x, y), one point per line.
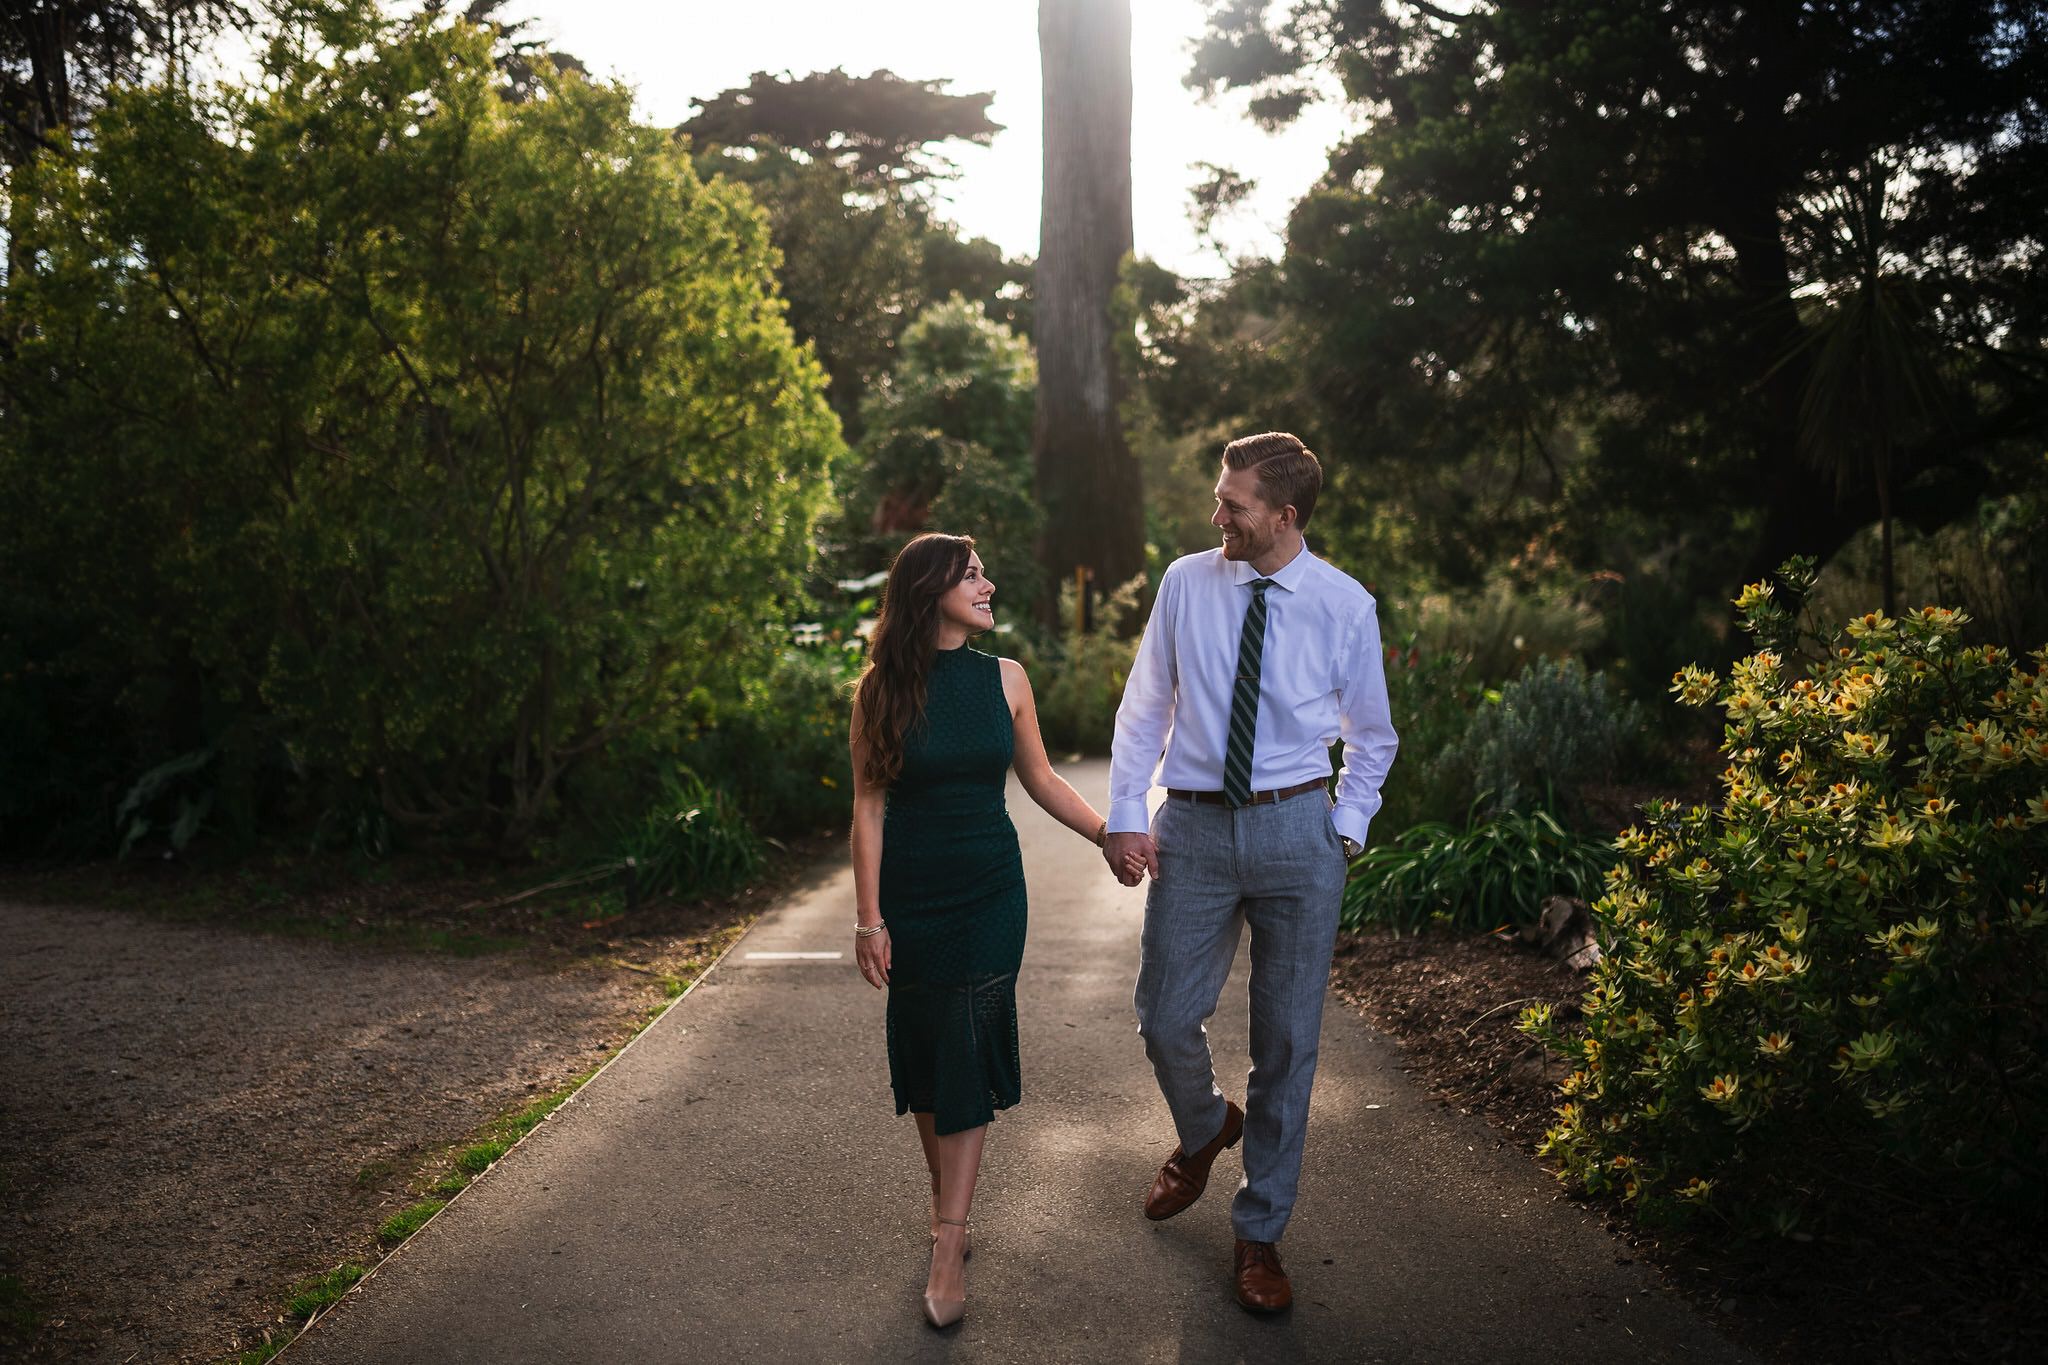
(1872, 358)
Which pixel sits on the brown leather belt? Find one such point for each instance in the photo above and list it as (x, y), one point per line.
(1257, 798)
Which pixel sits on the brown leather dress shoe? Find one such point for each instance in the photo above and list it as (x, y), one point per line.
(1183, 1178)
(1261, 1284)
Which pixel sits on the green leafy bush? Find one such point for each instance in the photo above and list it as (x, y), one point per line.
(1505, 623)
(454, 440)
(1555, 729)
(1432, 698)
(1079, 681)
(694, 842)
(1835, 977)
(780, 744)
(1491, 873)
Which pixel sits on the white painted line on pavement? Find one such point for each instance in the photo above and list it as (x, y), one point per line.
(797, 957)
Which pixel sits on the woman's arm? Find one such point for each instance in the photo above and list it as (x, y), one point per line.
(1034, 769)
(870, 951)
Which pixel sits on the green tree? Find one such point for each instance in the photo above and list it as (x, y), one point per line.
(1872, 361)
(948, 445)
(441, 441)
(1562, 264)
(844, 166)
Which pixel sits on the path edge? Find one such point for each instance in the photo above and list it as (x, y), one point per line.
(546, 1119)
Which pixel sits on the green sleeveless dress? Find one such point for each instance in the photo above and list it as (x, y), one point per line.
(952, 891)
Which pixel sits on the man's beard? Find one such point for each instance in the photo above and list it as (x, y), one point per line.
(1246, 547)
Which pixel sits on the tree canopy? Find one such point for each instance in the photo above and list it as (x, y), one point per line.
(879, 128)
(840, 164)
(1583, 260)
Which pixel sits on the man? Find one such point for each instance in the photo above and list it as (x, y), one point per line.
(1257, 657)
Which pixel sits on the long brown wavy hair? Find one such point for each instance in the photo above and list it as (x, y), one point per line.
(891, 691)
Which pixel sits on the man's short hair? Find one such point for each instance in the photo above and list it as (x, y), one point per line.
(1289, 473)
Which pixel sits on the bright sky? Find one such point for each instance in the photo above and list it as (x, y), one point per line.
(674, 53)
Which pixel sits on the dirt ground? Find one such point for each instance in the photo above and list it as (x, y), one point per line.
(1910, 1285)
(198, 1115)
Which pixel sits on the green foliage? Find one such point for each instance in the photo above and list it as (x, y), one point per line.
(1494, 872)
(170, 797)
(1432, 699)
(1832, 979)
(1078, 681)
(837, 162)
(991, 500)
(878, 128)
(694, 842)
(947, 446)
(780, 743)
(459, 439)
(1554, 730)
(1580, 266)
(1505, 623)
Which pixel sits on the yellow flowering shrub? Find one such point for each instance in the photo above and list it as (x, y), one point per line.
(1835, 974)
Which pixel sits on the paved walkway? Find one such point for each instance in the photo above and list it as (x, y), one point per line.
(735, 1186)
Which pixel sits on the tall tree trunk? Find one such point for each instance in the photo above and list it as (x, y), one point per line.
(1086, 479)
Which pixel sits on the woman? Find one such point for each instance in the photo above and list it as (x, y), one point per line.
(938, 883)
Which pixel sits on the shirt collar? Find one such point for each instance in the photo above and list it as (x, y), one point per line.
(1289, 576)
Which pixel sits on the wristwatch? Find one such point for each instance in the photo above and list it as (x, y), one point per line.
(1352, 848)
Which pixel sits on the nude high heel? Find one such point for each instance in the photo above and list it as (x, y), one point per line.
(945, 1312)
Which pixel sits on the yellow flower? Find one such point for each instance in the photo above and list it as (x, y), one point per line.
(1722, 1089)
(1774, 1044)
(1694, 686)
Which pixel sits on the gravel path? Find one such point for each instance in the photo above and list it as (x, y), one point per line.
(187, 1109)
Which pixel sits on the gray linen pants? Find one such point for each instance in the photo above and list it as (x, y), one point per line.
(1280, 869)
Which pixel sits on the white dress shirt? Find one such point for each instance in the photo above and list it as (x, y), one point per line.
(1322, 678)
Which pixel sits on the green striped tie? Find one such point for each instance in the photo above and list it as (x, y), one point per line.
(1244, 699)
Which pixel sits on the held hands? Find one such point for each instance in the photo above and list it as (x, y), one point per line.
(871, 954)
(1131, 856)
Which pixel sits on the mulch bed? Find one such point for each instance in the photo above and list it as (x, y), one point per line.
(1912, 1284)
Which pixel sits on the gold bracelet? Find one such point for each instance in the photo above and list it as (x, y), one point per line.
(1102, 835)
(867, 930)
